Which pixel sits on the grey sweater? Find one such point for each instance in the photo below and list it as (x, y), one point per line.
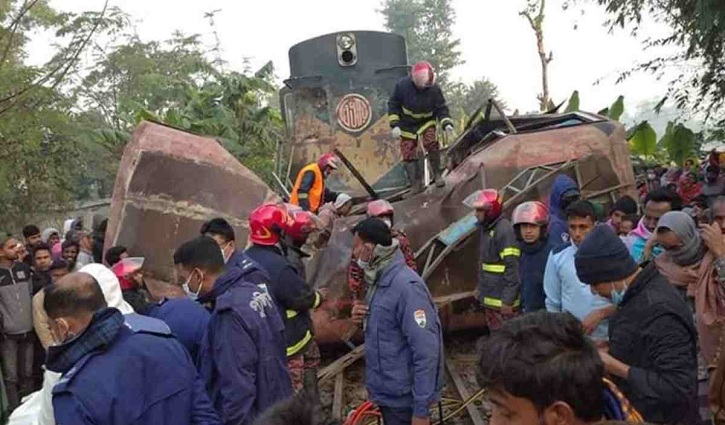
(16, 306)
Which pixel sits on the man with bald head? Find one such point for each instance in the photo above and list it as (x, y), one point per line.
(115, 371)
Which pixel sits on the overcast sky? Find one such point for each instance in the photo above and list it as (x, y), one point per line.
(495, 41)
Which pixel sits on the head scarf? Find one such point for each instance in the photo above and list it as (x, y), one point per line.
(682, 225)
(382, 256)
(47, 233)
(109, 285)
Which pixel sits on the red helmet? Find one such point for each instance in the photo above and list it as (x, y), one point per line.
(267, 223)
(328, 160)
(489, 200)
(380, 208)
(532, 212)
(302, 224)
(423, 74)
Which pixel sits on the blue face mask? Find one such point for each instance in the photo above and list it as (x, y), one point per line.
(618, 296)
(189, 293)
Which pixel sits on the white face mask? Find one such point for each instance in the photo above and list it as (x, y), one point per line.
(189, 293)
(387, 221)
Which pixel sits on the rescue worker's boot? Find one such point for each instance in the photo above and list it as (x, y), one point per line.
(416, 185)
(435, 163)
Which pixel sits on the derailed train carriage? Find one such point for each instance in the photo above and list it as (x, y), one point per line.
(170, 181)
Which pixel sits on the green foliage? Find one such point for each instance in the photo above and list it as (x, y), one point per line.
(617, 109)
(679, 142)
(573, 104)
(463, 99)
(427, 26)
(697, 27)
(644, 140)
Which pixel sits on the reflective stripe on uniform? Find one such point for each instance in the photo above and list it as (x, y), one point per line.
(410, 113)
(293, 349)
(408, 135)
(393, 118)
(425, 126)
(303, 195)
(318, 300)
(494, 268)
(291, 313)
(510, 251)
(493, 302)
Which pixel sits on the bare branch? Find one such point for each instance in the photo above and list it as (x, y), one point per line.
(14, 25)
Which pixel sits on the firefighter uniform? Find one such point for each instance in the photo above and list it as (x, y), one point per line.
(415, 112)
(498, 270)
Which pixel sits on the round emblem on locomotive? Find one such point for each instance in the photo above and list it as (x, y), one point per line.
(354, 112)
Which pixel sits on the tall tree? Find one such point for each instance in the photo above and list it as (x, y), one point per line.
(697, 27)
(427, 26)
(463, 99)
(534, 14)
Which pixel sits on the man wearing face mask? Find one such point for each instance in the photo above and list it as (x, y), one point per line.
(94, 343)
(499, 283)
(383, 210)
(652, 354)
(223, 234)
(242, 355)
(564, 193)
(403, 334)
(293, 296)
(642, 244)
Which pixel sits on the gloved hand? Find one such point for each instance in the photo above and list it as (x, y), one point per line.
(395, 132)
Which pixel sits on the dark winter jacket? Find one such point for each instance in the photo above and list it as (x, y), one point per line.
(294, 297)
(498, 265)
(558, 228)
(127, 372)
(531, 268)
(403, 341)
(242, 357)
(414, 110)
(187, 319)
(16, 306)
(653, 332)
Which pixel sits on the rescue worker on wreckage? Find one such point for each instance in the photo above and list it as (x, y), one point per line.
(413, 110)
(499, 284)
(309, 191)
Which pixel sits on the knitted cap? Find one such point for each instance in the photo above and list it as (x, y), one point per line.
(374, 230)
(603, 257)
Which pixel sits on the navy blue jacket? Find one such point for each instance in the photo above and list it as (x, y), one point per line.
(186, 318)
(403, 341)
(531, 269)
(414, 110)
(293, 296)
(558, 227)
(242, 358)
(127, 372)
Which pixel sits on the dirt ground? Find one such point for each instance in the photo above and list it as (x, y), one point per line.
(460, 351)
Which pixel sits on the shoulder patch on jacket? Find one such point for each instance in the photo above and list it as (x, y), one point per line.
(420, 319)
(138, 323)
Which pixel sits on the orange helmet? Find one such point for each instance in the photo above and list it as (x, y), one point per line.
(328, 160)
(423, 74)
(380, 208)
(532, 212)
(489, 200)
(267, 223)
(302, 224)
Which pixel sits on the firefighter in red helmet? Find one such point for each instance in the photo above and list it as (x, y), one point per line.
(499, 284)
(383, 210)
(413, 110)
(531, 220)
(269, 225)
(309, 191)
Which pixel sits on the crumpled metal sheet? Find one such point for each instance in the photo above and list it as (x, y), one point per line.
(170, 182)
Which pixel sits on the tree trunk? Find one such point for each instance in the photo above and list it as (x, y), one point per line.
(545, 99)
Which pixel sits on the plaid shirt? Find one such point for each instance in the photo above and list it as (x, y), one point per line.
(102, 330)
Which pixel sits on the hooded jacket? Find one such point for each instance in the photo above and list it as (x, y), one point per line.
(293, 296)
(403, 341)
(558, 228)
(156, 384)
(531, 268)
(653, 333)
(242, 357)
